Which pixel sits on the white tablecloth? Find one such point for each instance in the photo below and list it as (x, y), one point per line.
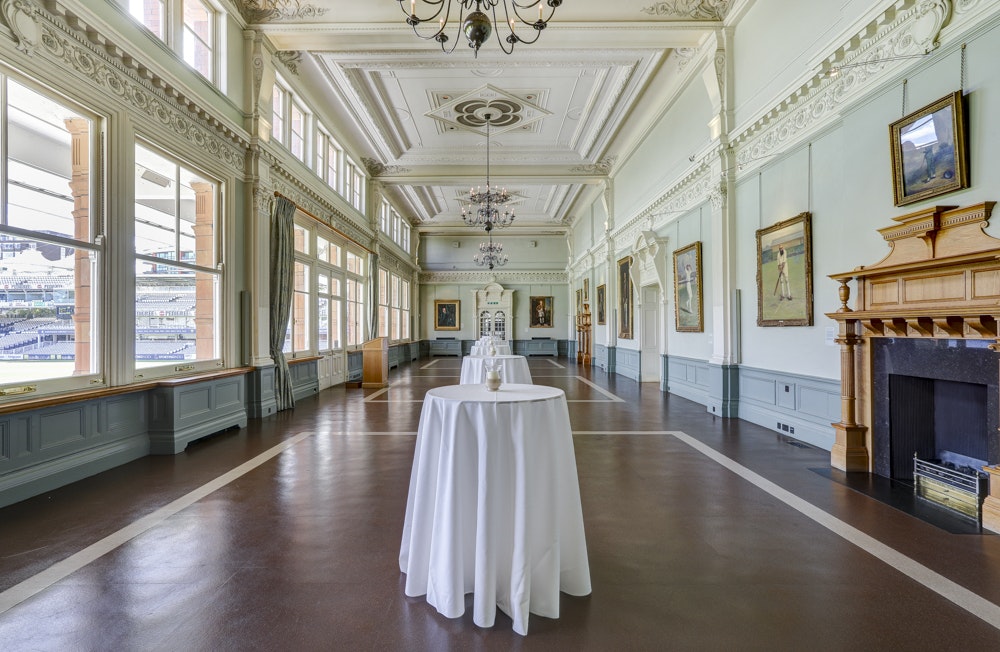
(483, 349)
(494, 504)
(513, 369)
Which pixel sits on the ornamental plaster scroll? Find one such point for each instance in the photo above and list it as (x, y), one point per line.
(604, 166)
(680, 198)
(913, 31)
(378, 169)
(482, 278)
(21, 16)
(264, 11)
(89, 58)
(290, 59)
(693, 9)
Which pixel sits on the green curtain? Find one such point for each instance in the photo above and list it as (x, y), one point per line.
(373, 290)
(281, 276)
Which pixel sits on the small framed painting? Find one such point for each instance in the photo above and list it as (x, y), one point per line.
(541, 312)
(601, 304)
(687, 289)
(446, 315)
(929, 151)
(784, 266)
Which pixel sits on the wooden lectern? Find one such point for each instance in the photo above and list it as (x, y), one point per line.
(375, 363)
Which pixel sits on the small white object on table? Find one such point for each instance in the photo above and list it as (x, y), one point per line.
(484, 349)
(513, 369)
(494, 504)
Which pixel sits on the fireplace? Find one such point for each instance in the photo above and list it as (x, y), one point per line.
(919, 354)
(936, 399)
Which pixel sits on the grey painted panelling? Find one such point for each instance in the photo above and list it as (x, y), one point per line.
(757, 388)
(805, 411)
(194, 401)
(628, 363)
(688, 378)
(601, 356)
(66, 425)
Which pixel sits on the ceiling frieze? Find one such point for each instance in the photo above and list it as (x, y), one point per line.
(265, 11)
(495, 276)
(290, 186)
(691, 9)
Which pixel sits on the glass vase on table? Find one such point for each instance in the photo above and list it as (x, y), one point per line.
(493, 374)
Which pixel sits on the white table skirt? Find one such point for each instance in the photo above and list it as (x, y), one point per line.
(494, 504)
(513, 369)
(483, 349)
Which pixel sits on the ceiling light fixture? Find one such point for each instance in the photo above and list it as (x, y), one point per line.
(475, 24)
(484, 207)
(490, 254)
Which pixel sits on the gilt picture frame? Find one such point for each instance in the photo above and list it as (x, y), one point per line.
(625, 298)
(447, 315)
(688, 306)
(540, 309)
(784, 273)
(602, 297)
(929, 151)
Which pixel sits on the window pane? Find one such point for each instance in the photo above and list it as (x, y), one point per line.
(174, 211)
(335, 255)
(395, 323)
(323, 323)
(301, 236)
(175, 315)
(46, 294)
(335, 324)
(322, 249)
(322, 284)
(335, 286)
(300, 308)
(197, 53)
(383, 321)
(149, 13)
(278, 114)
(298, 127)
(42, 179)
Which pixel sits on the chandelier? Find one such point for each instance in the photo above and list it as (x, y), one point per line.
(484, 206)
(490, 254)
(475, 24)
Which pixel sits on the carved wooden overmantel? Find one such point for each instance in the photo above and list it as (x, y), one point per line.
(941, 279)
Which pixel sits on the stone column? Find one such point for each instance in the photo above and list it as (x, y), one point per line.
(79, 186)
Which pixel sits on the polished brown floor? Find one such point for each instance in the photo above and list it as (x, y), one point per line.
(300, 553)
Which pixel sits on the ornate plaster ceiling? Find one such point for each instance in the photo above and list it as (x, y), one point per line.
(566, 108)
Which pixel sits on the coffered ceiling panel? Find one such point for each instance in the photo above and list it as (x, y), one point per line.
(563, 110)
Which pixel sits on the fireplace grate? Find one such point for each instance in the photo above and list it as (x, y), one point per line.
(960, 490)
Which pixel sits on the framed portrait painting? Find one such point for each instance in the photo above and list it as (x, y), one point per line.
(541, 312)
(446, 315)
(688, 308)
(784, 273)
(929, 151)
(625, 298)
(602, 297)
(586, 290)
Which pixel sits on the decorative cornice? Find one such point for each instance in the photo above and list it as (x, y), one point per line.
(303, 196)
(908, 32)
(481, 278)
(693, 9)
(270, 11)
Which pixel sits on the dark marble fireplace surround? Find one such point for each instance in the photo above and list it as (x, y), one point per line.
(969, 370)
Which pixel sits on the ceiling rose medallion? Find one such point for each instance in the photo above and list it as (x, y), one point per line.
(473, 20)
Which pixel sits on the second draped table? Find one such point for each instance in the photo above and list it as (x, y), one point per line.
(513, 369)
(484, 349)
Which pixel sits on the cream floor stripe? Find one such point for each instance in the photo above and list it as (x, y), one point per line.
(60, 570)
(959, 595)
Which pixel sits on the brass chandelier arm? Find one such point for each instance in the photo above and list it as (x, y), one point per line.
(474, 21)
